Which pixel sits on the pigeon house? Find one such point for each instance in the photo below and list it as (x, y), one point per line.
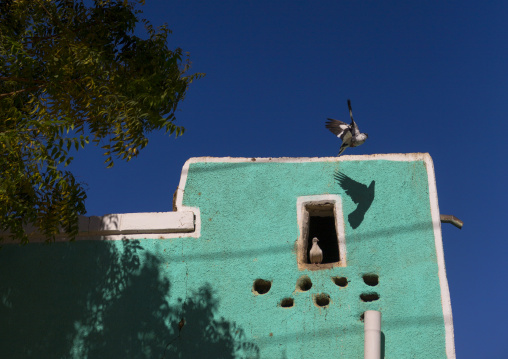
(230, 272)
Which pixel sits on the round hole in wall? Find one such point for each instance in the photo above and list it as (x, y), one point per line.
(322, 299)
(340, 281)
(303, 283)
(261, 286)
(287, 303)
(369, 297)
(371, 279)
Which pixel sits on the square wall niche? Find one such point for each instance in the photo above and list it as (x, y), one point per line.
(321, 216)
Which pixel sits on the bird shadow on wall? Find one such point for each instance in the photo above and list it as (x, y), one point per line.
(99, 299)
(359, 193)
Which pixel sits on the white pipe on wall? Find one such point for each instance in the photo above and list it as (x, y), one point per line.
(372, 327)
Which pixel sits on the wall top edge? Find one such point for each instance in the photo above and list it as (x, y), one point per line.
(417, 156)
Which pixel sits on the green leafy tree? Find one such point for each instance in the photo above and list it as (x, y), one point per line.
(71, 75)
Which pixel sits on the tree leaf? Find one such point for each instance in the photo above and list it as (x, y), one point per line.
(90, 81)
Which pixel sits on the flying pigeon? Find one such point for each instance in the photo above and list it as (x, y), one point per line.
(349, 134)
(316, 254)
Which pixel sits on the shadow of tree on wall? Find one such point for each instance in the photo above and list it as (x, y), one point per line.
(94, 299)
(217, 337)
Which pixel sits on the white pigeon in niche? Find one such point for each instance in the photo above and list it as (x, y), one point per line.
(316, 254)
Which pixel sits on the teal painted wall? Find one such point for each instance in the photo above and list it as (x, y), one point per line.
(100, 299)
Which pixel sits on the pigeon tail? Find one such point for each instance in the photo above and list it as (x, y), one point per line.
(342, 148)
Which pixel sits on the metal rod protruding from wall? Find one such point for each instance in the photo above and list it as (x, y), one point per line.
(372, 328)
(448, 218)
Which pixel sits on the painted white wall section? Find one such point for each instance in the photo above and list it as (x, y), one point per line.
(130, 226)
(157, 222)
(445, 291)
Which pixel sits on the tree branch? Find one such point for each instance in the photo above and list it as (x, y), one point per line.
(22, 90)
(44, 83)
(21, 79)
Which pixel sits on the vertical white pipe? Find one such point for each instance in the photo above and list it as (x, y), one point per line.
(372, 322)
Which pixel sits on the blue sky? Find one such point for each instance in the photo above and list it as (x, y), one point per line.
(422, 77)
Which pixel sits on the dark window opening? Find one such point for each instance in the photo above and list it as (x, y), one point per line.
(322, 226)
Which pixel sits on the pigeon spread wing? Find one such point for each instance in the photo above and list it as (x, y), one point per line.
(352, 188)
(338, 128)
